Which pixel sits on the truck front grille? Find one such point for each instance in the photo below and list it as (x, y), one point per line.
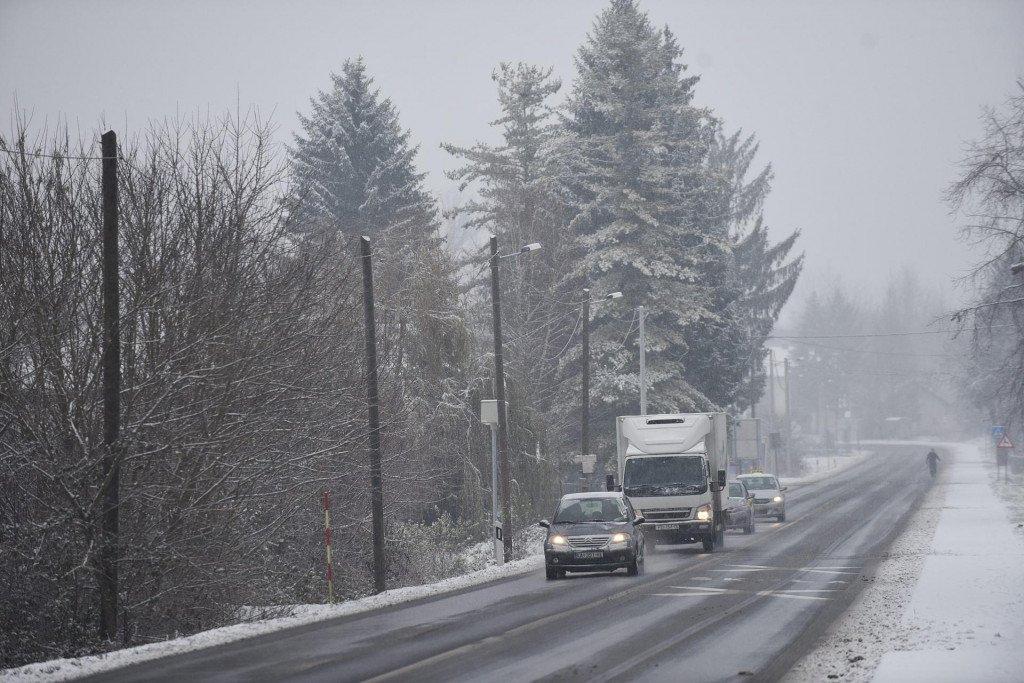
(667, 513)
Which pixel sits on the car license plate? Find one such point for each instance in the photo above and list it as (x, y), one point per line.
(666, 527)
(595, 555)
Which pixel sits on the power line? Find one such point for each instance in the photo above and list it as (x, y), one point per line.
(18, 152)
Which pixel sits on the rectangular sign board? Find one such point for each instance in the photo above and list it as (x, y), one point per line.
(998, 431)
(748, 438)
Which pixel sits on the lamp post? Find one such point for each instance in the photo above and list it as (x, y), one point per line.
(585, 403)
(499, 391)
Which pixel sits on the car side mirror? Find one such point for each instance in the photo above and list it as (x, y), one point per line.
(544, 524)
(639, 519)
(721, 479)
(784, 488)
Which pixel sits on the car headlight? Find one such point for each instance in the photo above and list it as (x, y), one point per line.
(557, 539)
(777, 499)
(620, 538)
(704, 513)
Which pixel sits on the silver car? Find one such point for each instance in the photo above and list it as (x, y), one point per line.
(769, 494)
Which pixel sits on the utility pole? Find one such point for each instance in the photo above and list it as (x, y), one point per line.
(111, 467)
(585, 406)
(789, 423)
(373, 405)
(643, 363)
(499, 394)
(773, 427)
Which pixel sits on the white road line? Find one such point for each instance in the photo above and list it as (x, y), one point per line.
(685, 595)
(798, 597)
(826, 571)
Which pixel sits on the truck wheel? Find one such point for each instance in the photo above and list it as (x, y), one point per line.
(709, 544)
(782, 517)
(551, 573)
(633, 569)
(749, 529)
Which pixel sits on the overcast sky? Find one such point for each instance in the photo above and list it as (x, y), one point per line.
(862, 108)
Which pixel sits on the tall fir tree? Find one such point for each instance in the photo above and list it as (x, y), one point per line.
(354, 170)
(516, 198)
(354, 174)
(635, 151)
(764, 274)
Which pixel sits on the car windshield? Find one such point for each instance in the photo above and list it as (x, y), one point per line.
(736, 491)
(761, 482)
(671, 475)
(579, 510)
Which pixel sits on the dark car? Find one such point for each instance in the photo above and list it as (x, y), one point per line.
(739, 507)
(593, 532)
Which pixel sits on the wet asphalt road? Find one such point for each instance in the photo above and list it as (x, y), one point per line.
(746, 612)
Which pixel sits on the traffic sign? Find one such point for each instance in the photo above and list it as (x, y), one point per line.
(997, 432)
(1004, 442)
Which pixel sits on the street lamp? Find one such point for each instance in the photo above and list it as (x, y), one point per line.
(499, 445)
(585, 403)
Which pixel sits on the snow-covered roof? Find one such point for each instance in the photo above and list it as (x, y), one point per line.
(593, 494)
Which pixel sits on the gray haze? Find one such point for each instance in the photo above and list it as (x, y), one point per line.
(862, 108)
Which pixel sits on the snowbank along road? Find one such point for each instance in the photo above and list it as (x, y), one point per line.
(747, 612)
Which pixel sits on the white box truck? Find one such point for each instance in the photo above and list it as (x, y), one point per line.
(672, 468)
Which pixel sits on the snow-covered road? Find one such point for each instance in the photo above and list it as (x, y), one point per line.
(753, 607)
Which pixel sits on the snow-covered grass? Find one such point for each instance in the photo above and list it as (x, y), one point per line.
(946, 603)
(299, 615)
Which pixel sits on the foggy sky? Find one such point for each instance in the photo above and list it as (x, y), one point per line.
(862, 108)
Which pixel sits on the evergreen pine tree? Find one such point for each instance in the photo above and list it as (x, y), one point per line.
(354, 174)
(354, 168)
(635, 153)
(516, 199)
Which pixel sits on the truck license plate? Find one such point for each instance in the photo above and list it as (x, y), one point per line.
(667, 527)
(589, 556)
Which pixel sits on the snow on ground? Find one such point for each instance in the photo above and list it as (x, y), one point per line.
(946, 604)
(66, 669)
(822, 467)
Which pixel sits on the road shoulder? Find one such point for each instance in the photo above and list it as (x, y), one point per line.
(944, 604)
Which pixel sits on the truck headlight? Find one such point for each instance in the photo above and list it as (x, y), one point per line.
(777, 499)
(620, 538)
(557, 539)
(704, 513)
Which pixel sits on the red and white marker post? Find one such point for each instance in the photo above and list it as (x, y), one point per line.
(327, 545)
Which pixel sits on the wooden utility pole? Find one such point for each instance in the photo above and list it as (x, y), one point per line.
(642, 314)
(373, 405)
(111, 469)
(585, 400)
(499, 395)
(771, 412)
(789, 422)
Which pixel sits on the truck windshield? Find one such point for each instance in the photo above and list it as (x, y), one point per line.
(669, 475)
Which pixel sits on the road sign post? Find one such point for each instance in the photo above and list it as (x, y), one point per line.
(489, 416)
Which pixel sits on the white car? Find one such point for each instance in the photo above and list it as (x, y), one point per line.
(769, 495)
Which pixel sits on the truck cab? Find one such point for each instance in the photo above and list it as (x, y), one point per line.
(672, 469)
